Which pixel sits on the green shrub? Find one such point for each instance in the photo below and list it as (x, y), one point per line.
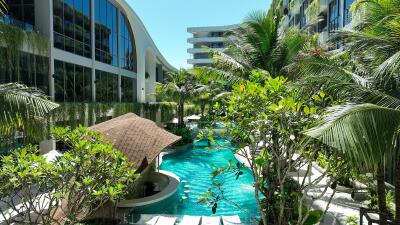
(351, 220)
(184, 132)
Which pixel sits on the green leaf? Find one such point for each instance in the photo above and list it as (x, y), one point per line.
(313, 217)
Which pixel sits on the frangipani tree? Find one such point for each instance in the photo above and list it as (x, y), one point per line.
(180, 87)
(265, 117)
(70, 188)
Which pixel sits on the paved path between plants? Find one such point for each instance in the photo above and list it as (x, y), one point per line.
(341, 206)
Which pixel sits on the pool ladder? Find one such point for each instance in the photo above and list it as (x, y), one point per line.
(186, 190)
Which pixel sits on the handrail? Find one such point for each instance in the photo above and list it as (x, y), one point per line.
(15, 22)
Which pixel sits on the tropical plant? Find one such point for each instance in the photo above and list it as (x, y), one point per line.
(100, 172)
(256, 44)
(366, 130)
(180, 87)
(22, 108)
(68, 189)
(265, 117)
(351, 220)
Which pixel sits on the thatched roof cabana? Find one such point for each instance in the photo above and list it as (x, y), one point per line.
(139, 139)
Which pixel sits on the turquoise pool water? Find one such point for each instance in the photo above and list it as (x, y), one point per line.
(193, 165)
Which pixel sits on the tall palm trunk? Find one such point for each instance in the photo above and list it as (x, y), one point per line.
(381, 190)
(397, 191)
(181, 111)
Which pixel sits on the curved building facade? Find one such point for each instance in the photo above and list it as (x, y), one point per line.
(99, 51)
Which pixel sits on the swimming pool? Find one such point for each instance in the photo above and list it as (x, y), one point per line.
(193, 166)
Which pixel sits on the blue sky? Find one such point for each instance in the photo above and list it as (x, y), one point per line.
(167, 20)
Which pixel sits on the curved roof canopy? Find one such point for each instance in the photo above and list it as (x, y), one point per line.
(139, 139)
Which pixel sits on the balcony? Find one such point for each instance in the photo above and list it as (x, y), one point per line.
(203, 50)
(205, 40)
(199, 61)
(14, 22)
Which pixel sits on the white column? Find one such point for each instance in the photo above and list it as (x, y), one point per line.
(141, 81)
(92, 31)
(51, 58)
(151, 81)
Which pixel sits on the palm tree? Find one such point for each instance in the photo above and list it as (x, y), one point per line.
(256, 44)
(180, 87)
(368, 73)
(22, 108)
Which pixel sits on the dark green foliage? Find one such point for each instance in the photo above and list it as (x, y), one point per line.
(180, 87)
(184, 132)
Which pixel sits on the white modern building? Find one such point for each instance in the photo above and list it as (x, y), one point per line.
(205, 38)
(99, 51)
(316, 16)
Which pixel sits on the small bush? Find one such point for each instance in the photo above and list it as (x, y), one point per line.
(351, 220)
(184, 132)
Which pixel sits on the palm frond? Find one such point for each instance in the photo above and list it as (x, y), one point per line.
(366, 133)
(389, 68)
(211, 73)
(22, 105)
(3, 7)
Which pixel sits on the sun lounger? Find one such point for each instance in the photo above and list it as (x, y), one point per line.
(148, 219)
(231, 220)
(210, 220)
(166, 220)
(190, 220)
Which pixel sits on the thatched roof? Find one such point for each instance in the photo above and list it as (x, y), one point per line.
(141, 140)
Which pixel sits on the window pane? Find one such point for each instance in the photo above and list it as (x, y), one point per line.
(103, 11)
(42, 74)
(86, 8)
(59, 80)
(87, 84)
(79, 83)
(69, 83)
(26, 70)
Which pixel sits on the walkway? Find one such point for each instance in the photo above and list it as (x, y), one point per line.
(341, 206)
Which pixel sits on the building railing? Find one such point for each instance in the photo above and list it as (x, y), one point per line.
(346, 16)
(333, 24)
(12, 21)
(364, 212)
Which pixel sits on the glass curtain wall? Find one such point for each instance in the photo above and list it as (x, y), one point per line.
(71, 24)
(22, 13)
(346, 11)
(334, 15)
(303, 14)
(106, 32)
(127, 89)
(127, 46)
(72, 83)
(33, 71)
